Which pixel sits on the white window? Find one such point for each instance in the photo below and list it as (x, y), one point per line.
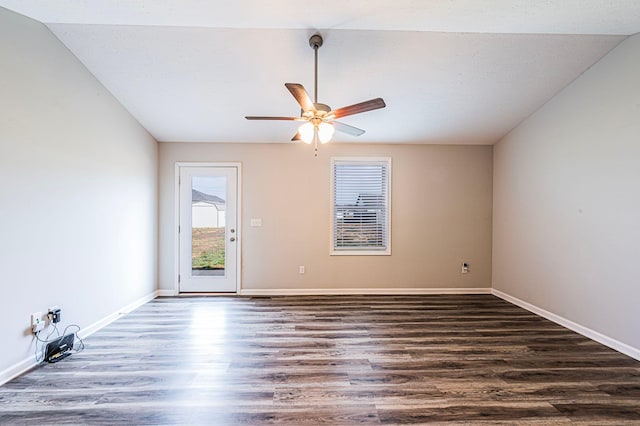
(360, 206)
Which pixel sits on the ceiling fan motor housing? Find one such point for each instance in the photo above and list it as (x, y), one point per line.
(321, 110)
(322, 107)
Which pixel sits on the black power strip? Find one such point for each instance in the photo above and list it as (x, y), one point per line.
(60, 348)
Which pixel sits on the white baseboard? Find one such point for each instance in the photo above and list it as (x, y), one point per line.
(580, 329)
(166, 293)
(92, 328)
(17, 369)
(30, 362)
(358, 291)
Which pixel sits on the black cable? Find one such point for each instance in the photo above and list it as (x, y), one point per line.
(46, 339)
(38, 360)
(81, 345)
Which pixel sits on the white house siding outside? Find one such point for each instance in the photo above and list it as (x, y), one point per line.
(206, 215)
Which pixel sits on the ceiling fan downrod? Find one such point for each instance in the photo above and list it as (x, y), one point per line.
(315, 42)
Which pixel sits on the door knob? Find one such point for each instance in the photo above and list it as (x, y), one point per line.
(232, 239)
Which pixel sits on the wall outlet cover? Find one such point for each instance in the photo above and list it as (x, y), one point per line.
(37, 323)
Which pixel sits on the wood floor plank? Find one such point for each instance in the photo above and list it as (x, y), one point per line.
(335, 360)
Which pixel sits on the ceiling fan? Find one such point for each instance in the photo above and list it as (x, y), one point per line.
(319, 118)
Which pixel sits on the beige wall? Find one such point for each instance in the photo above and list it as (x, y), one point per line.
(78, 194)
(567, 202)
(441, 215)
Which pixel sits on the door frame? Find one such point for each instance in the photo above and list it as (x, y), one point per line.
(176, 223)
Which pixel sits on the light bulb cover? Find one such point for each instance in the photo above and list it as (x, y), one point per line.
(325, 132)
(306, 132)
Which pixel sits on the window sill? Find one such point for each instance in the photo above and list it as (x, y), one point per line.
(360, 252)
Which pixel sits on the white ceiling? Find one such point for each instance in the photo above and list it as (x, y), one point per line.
(450, 71)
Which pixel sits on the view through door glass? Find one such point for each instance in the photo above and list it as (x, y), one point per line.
(208, 208)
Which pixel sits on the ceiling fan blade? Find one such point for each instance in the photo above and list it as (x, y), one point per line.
(358, 108)
(296, 137)
(252, 117)
(345, 128)
(298, 91)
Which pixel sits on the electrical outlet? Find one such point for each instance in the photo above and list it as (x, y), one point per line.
(301, 270)
(465, 268)
(36, 322)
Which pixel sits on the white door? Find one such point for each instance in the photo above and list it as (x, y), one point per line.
(208, 236)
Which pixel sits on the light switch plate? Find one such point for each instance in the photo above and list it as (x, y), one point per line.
(256, 222)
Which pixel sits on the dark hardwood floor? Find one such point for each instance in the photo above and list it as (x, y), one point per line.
(335, 360)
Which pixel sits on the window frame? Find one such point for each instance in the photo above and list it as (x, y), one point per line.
(358, 252)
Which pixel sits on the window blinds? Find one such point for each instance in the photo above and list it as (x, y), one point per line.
(360, 205)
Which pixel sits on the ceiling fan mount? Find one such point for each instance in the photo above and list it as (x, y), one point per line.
(316, 41)
(319, 118)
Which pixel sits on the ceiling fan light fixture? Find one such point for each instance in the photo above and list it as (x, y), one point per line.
(307, 131)
(325, 132)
